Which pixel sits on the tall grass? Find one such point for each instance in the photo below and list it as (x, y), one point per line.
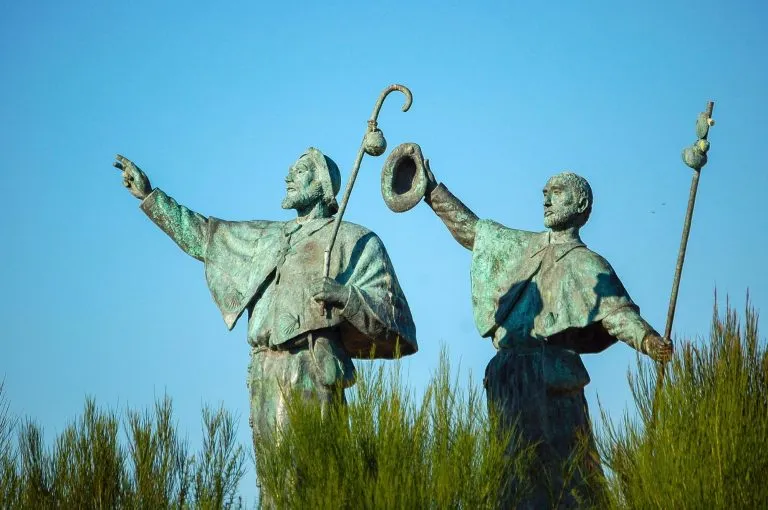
(89, 467)
(708, 445)
(387, 449)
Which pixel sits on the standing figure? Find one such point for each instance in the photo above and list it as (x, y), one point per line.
(544, 299)
(304, 329)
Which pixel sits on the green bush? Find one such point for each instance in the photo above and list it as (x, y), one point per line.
(385, 450)
(705, 447)
(88, 467)
(708, 444)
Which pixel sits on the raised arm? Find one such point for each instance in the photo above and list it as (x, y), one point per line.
(187, 228)
(459, 219)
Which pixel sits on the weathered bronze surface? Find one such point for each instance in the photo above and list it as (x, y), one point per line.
(544, 298)
(273, 271)
(403, 178)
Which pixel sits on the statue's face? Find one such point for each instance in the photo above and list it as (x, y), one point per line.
(302, 189)
(561, 204)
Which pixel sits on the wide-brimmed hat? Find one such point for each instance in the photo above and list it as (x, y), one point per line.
(403, 178)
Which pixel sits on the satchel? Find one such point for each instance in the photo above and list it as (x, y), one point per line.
(563, 370)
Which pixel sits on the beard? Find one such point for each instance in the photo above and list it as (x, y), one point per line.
(560, 219)
(301, 199)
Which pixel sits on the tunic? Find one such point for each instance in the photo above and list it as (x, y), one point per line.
(543, 305)
(263, 267)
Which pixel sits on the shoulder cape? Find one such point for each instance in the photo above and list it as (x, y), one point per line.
(241, 258)
(582, 287)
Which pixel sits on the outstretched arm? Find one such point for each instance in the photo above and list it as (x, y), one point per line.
(627, 325)
(186, 227)
(459, 219)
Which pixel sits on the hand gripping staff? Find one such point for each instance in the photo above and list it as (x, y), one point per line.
(373, 144)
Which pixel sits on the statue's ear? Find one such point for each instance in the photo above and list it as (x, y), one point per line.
(583, 204)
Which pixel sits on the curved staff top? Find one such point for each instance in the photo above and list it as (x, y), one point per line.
(374, 144)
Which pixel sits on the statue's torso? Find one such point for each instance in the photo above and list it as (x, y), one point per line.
(285, 309)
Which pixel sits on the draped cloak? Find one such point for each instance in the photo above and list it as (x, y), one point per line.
(265, 267)
(517, 284)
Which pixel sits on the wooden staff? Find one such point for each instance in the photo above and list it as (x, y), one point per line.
(695, 157)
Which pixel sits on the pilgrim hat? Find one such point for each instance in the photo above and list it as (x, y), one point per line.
(403, 178)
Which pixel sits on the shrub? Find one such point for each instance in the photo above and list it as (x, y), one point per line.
(385, 450)
(707, 447)
(88, 467)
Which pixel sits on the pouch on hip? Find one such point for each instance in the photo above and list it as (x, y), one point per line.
(563, 371)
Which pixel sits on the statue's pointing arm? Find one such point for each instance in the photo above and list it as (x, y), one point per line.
(459, 219)
(187, 228)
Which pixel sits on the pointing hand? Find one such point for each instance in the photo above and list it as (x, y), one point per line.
(133, 178)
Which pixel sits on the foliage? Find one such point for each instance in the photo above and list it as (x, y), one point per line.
(88, 467)
(706, 446)
(385, 450)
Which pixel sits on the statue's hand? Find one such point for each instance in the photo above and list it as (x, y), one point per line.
(329, 291)
(134, 179)
(658, 348)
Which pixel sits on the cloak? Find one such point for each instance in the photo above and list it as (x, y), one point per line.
(576, 287)
(265, 266)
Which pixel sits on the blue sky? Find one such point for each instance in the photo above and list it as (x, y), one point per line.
(215, 101)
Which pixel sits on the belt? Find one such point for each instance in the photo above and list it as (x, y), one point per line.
(300, 342)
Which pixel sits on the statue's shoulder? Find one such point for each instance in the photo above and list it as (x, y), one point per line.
(356, 236)
(584, 257)
(493, 233)
(248, 230)
(353, 230)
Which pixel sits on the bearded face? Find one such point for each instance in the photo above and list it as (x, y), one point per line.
(562, 206)
(302, 190)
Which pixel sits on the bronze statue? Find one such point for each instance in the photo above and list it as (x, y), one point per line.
(544, 299)
(273, 271)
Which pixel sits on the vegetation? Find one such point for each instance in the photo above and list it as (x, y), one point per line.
(88, 467)
(704, 447)
(388, 450)
(708, 444)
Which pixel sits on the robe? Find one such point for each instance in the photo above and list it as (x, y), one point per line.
(264, 267)
(516, 285)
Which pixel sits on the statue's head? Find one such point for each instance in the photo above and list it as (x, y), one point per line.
(567, 201)
(312, 179)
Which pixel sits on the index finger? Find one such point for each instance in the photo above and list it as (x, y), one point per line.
(122, 159)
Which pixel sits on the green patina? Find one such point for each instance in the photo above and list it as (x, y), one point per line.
(304, 328)
(544, 299)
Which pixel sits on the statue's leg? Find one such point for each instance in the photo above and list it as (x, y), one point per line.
(316, 367)
(318, 374)
(515, 390)
(573, 442)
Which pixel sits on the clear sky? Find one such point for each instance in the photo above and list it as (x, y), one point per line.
(215, 100)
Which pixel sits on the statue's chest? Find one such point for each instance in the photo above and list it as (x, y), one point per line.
(300, 255)
(300, 260)
(553, 286)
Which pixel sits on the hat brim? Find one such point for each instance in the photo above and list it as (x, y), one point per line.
(403, 178)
